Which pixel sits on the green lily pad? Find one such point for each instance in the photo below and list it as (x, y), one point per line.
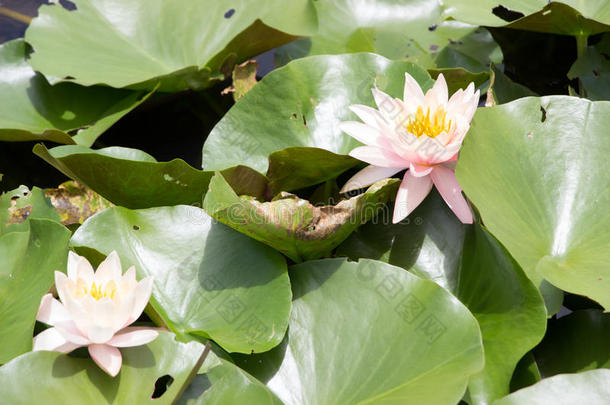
(469, 262)
(134, 179)
(67, 380)
(574, 343)
(18, 205)
(567, 17)
(301, 105)
(33, 110)
(590, 387)
(536, 168)
(396, 29)
(210, 281)
(459, 78)
(593, 70)
(294, 226)
(28, 259)
(181, 43)
(294, 168)
(369, 332)
(220, 382)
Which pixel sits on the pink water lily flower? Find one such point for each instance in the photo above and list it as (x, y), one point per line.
(94, 311)
(422, 133)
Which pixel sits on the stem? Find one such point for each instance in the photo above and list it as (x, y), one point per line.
(15, 15)
(193, 372)
(581, 48)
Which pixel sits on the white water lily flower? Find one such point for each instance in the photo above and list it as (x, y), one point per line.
(94, 311)
(422, 133)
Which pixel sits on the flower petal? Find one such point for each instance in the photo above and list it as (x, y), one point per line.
(79, 267)
(51, 340)
(411, 193)
(109, 269)
(61, 285)
(107, 357)
(368, 176)
(133, 336)
(51, 311)
(447, 185)
(413, 91)
(378, 157)
(420, 170)
(368, 115)
(363, 133)
(438, 94)
(71, 333)
(100, 334)
(142, 295)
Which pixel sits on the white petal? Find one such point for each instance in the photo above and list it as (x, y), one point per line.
(413, 91)
(79, 267)
(438, 95)
(368, 176)
(107, 357)
(133, 336)
(99, 334)
(109, 269)
(378, 157)
(71, 333)
(51, 311)
(142, 295)
(61, 285)
(411, 193)
(363, 133)
(368, 115)
(52, 340)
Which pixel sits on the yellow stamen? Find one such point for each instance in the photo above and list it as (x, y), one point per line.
(96, 291)
(422, 124)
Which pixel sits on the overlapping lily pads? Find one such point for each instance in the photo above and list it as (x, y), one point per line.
(590, 387)
(369, 332)
(301, 105)
(21, 204)
(134, 179)
(536, 168)
(28, 259)
(568, 17)
(470, 263)
(183, 44)
(292, 225)
(66, 380)
(592, 69)
(220, 382)
(574, 343)
(210, 280)
(32, 109)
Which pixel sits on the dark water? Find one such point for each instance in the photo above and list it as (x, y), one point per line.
(11, 28)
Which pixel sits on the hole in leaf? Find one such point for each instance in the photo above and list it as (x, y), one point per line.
(136, 228)
(162, 385)
(596, 73)
(432, 27)
(433, 47)
(506, 14)
(452, 42)
(68, 5)
(69, 78)
(230, 13)
(304, 120)
(543, 111)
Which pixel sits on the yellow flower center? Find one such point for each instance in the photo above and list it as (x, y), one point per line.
(423, 124)
(97, 291)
